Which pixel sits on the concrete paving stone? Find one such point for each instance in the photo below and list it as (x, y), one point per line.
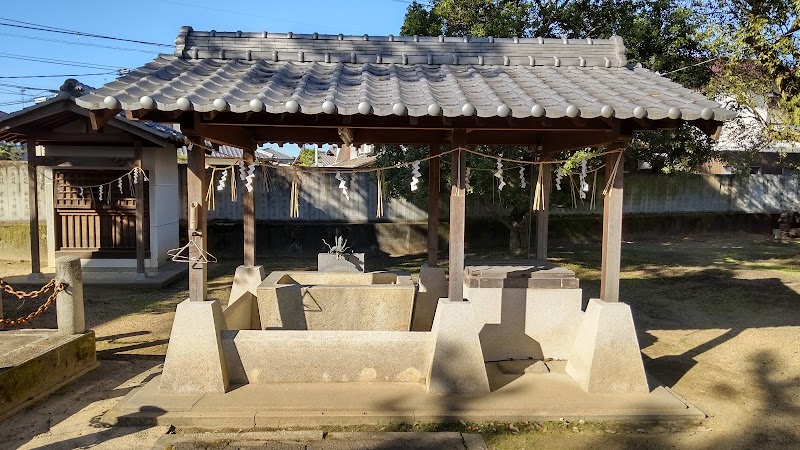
(305, 418)
(533, 396)
(398, 440)
(147, 398)
(474, 441)
(312, 440)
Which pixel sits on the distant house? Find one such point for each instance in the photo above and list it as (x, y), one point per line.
(346, 156)
(223, 155)
(745, 134)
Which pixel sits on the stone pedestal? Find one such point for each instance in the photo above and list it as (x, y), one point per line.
(245, 288)
(432, 287)
(194, 363)
(351, 262)
(605, 357)
(69, 304)
(457, 364)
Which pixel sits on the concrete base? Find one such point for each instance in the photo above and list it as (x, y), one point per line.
(194, 361)
(155, 279)
(304, 300)
(432, 287)
(605, 357)
(289, 356)
(245, 289)
(37, 362)
(525, 309)
(457, 364)
(533, 397)
(351, 262)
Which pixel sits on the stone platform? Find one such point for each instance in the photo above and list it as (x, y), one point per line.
(36, 362)
(281, 405)
(155, 279)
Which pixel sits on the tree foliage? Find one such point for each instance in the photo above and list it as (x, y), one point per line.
(11, 152)
(758, 45)
(662, 35)
(744, 49)
(305, 157)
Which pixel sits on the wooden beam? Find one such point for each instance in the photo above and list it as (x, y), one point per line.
(101, 117)
(543, 185)
(433, 204)
(195, 185)
(234, 136)
(612, 227)
(458, 199)
(140, 247)
(33, 208)
(87, 161)
(399, 122)
(249, 219)
(105, 138)
(555, 142)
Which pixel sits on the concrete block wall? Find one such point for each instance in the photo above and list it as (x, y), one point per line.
(293, 356)
(526, 323)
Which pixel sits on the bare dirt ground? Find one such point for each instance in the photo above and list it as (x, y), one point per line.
(718, 320)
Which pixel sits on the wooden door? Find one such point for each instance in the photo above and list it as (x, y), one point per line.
(90, 227)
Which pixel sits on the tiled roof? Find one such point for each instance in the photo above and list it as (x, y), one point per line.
(228, 152)
(324, 159)
(67, 94)
(349, 75)
(361, 161)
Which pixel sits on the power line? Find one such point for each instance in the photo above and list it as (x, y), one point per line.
(32, 88)
(70, 75)
(39, 27)
(87, 44)
(241, 13)
(57, 61)
(691, 65)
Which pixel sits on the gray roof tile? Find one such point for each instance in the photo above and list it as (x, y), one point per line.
(315, 74)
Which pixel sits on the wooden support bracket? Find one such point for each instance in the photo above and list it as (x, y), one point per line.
(99, 118)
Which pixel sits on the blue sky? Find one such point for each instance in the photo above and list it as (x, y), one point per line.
(156, 21)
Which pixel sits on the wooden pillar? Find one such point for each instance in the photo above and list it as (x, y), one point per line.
(458, 196)
(612, 229)
(139, 214)
(433, 204)
(249, 219)
(195, 185)
(33, 208)
(543, 214)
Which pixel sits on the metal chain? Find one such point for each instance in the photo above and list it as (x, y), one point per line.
(39, 311)
(22, 294)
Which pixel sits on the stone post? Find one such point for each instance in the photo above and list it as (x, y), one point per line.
(69, 305)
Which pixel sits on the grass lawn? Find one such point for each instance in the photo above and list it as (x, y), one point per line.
(718, 319)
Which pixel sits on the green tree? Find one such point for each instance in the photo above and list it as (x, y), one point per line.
(10, 152)
(662, 35)
(305, 157)
(758, 45)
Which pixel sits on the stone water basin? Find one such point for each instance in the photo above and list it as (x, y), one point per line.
(304, 300)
